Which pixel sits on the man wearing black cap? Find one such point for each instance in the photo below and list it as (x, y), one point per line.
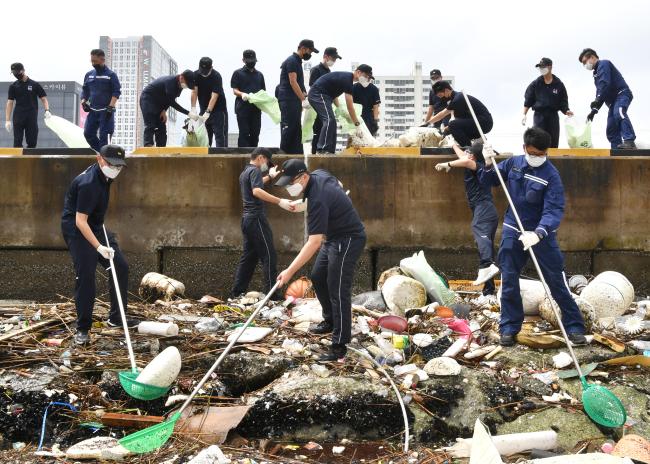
(338, 235)
(245, 81)
(324, 93)
(25, 93)
(368, 97)
(436, 105)
(546, 95)
(156, 98)
(256, 230)
(82, 223)
(462, 127)
(292, 97)
(330, 55)
(208, 89)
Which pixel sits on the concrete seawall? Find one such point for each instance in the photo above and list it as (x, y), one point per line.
(180, 215)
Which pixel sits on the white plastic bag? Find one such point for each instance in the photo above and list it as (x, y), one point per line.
(578, 135)
(71, 134)
(417, 267)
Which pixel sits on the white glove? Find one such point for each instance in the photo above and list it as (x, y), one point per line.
(359, 132)
(8, 126)
(488, 154)
(305, 104)
(204, 117)
(244, 96)
(47, 114)
(106, 252)
(286, 204)
(194, 116)
(300, 205)
(524, 119)
(529, 239)
(443, 166)
(273, 172)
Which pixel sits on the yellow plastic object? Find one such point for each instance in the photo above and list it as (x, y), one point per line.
(10, 151)
(164, 151)
(579, 152)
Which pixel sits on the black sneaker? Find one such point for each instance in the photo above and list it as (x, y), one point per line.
(336, 353)
(130, 323)
(322, 328)
(508, 339)
(81, 338)
(627, 145)
(578, 339)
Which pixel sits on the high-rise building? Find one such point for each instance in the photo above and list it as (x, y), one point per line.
(64, 98)
(137, 61)
(404, 101)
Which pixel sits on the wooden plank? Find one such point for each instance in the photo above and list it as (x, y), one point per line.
(116, 419)
(32, 328)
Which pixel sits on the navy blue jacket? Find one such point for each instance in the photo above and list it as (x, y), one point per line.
(88, 194)
(291, 64)
(541, 96)
(537, 193)
(99, 87)
(333, 84)
(609, 82)
(162, 93)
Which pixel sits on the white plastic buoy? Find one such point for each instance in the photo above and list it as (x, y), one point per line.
(610, 293)
(163, 369)
(164, 329)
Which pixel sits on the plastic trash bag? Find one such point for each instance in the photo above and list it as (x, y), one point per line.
(578, 134)
(71, 134)
(344, 119)
(196, 135)
(421, 137)
(308, 119)
(266, 103)
(417, 267)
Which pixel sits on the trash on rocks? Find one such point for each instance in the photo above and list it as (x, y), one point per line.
(592, 458)
(338, 449)
(210, 455)
(394, 323)
(158, 328)
(210, 300)
(641, 345)
(386, 274)
(402, 293)
(211, 423)
(307, 310)
(156, 286)
(479, 352)
(586, 309)
(442, 366)
(577, 283)
(320, 370)
(562, 360)
(610, 342)
(417, 267)
(405, 369)
(455, 348)
(209, 324)
(292, 346)
(421, 137)
(633, 446)
(532, 295)
(313, 446)
(163, 369)
(91, 448)
(508, 444)
(302, 287)
(541, 342)
(422, 340)
(483, 449)
(610, 294)
(546, 377)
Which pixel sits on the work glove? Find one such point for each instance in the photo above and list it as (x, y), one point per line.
(596, 105)
(443, 166)
(194, 116)
(358, 132)
(273, 172)
(8, 126)
(110, 109)
(488, 154)
(205, 116)
(305, 104)
(529, 239)
(86, 107)
(299, 205)
(286, 204)
(424, 124)
(47, 114)
(106, 252)
(244, 96)
(524, 119)
(590, 116)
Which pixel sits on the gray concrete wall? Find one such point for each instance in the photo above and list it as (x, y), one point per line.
(180, 215)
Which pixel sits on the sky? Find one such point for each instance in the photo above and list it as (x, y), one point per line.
(490, 47)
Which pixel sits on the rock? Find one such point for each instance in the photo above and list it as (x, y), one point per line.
(210, 455)
(586, 309)
(91, 448)
(636, 406)
(442, 366)
(401, 293)
(373, 301)
(247, 371)
(571, 427)
(304, 407)
(393, 271)
(633, 446)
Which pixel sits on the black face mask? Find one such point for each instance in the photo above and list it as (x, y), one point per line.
(18, 75)
(98, 67)
(306, 57)
(250, 64)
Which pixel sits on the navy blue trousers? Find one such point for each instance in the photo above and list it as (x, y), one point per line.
(619, 126)
(99, 122)
(258, 246)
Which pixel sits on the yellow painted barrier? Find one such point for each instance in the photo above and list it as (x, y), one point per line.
(10, 151)
(579, 151)
(382, 151)
(164, 151)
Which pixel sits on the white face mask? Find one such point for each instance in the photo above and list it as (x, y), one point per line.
(183, 85)
(535, 161)
(330, 63)
(543, 71)
(294, 189)
(436, 79)
(111, 171)
(589, 66)
(364, 81)
(264, 167)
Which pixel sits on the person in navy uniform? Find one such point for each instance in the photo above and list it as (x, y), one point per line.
(86, 202)
(100, 92)
(208, 89)
(255, 227)
(338, 235)
(537, 193)
(485, 218)
(330, 55)
(22, 99)
(613, 91)
(436, 104)
(325, 92)
(246, 81)
(462, 127)
(155, 100)
(368, 97)
(546, 95)
(292, 97)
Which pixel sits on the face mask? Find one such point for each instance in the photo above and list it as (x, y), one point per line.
(364, 81)
(589, 66)
(294, 189)
(98, 67)
(111, 171)
(543, 71)
(330, 63)
(250, 64)
(205, 74)
(264, 167)
(306, 57)
(535, 161)
(18, 75)
(183, 85)
(436, 79)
